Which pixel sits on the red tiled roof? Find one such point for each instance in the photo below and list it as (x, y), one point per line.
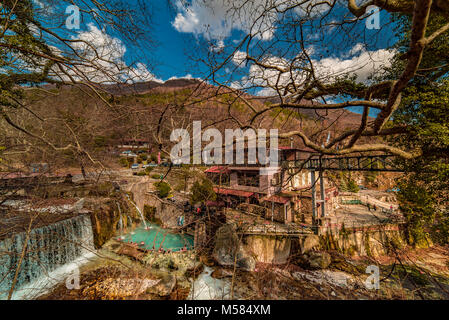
(217, 169)
(277, 199)
(233, 192)
(215, 203)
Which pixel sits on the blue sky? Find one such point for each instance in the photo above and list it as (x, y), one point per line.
(181, 33)
(175, 44)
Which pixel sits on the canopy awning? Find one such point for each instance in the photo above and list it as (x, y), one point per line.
(233, 192)
(277, 199)
(217, 169)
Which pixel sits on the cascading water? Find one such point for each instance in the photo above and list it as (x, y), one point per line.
(129, 221)
(52, 251)
(207, 288)
(120, 222)
(138, 210)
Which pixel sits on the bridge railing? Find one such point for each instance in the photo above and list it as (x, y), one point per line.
(352, 163)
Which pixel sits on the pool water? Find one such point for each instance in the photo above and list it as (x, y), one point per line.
(155, 236)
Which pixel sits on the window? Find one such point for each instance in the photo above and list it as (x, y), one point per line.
(250, 179)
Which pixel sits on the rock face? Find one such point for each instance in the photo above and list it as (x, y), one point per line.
(221, 273)
(328, 277)
(229, 250)
(365, 241)
(164, 213)
(164, 287)
(268, 249)
(105, 217)
(315, 260)
(194, 271)
(310, 242)
(119, 288)
(130, 251)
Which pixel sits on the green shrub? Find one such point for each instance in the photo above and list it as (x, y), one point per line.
(352, 186)
(156, 176)
(123, 162)
(163, 189)
(148, 169)
(141, 173)
(202, 192)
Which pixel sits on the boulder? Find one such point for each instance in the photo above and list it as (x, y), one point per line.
(315, 260)
(229, 251)
(207, 261)
(118, 288)
(310, 242)
(271, 250)
(318, 260)
(221, 273)
(164, 287)
(130, 251)
(194, 271)
(79, 205)
(247, 263)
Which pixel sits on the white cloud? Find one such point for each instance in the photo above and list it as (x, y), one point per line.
(357, 61)
(141, 73)
(363, 63)
(218, 46)
(313, 8)
(187, 76)
(104, 60)
(239, 58)
(45, 8)
(215, 19)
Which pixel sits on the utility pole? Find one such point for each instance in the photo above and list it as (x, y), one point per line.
(314, 220)
(322, 190)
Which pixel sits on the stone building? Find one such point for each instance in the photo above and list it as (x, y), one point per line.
(277, 193)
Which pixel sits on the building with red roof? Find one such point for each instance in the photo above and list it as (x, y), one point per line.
(279, 190)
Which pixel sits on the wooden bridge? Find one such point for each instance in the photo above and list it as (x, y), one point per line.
(378, 163)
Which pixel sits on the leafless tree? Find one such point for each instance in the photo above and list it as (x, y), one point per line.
(276, 58)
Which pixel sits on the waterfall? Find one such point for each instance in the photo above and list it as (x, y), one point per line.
(129, 221)
(52, 251)
(138, 210)
(120, 222)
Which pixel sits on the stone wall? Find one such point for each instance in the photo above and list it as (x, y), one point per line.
(365, 241)
(268, 249)
(246, 250)
(165, 213)
(105, 217)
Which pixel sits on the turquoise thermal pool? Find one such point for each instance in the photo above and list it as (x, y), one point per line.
(155, 237)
